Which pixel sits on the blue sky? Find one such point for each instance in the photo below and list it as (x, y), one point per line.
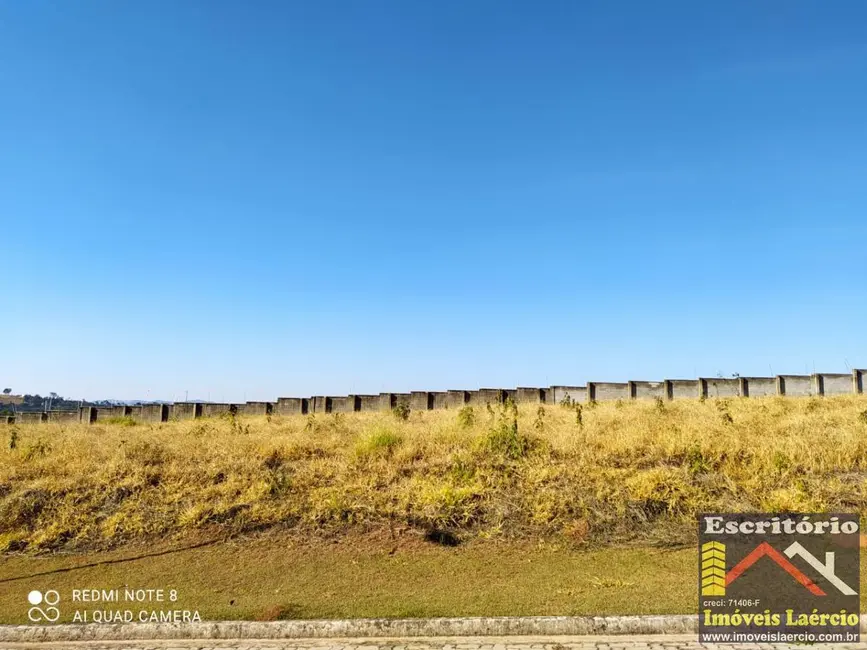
(246, 200)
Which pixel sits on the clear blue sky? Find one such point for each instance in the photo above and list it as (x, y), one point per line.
(258, 199)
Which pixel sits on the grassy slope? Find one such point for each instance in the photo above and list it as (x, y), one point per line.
(629, 472)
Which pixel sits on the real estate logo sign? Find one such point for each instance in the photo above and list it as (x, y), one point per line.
(779, 578)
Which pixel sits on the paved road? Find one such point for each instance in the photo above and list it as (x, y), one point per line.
(655, 642)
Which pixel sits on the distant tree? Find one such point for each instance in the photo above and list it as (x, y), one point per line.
(53, 395)
(6, 391)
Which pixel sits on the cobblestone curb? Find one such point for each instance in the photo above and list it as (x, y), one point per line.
(358, 628)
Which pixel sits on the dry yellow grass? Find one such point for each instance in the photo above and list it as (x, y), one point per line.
(631, 471)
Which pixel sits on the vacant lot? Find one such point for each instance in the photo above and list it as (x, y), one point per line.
(621, 473)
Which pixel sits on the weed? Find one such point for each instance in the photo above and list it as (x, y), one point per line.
(237, 426)
(202, 429)
(863, 417)
(38, 449)
(401, 410)
(781, 462)
(539, 422)
(579, 415)
(381, 442)
(506, 440)
(13, 438)
(659, 403)
(566, 402)
(723, 407)
(466, 417)
(510, 407)
(607, 583)
(311, 424)
(695, 461)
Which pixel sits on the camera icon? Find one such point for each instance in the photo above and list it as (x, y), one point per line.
(48, 612)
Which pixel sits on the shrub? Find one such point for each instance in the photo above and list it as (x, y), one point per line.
(466, 417)
(401, 410)
(506, 440)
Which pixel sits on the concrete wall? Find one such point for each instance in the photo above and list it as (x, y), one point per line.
(64, 416)
(682, 388)
(646, 389)
(342, 404)
(790, 385)
(604, 390)
(108, 413)
(420, 400)
(320, 404)
(556, 394)
(29, 417)
(257, 408)
(833, 384)
(492, 396)
(186, 410)
(217, 409)
(795, 385)
(154, 412)
(719, 387)
(532, 395)
(386, 401)
(291, 406)
(368, 402)
(758, 386)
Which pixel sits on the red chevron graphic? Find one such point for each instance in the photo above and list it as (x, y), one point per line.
(766, 549)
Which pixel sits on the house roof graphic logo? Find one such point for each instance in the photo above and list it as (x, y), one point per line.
(715, 579)
(766, 549)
